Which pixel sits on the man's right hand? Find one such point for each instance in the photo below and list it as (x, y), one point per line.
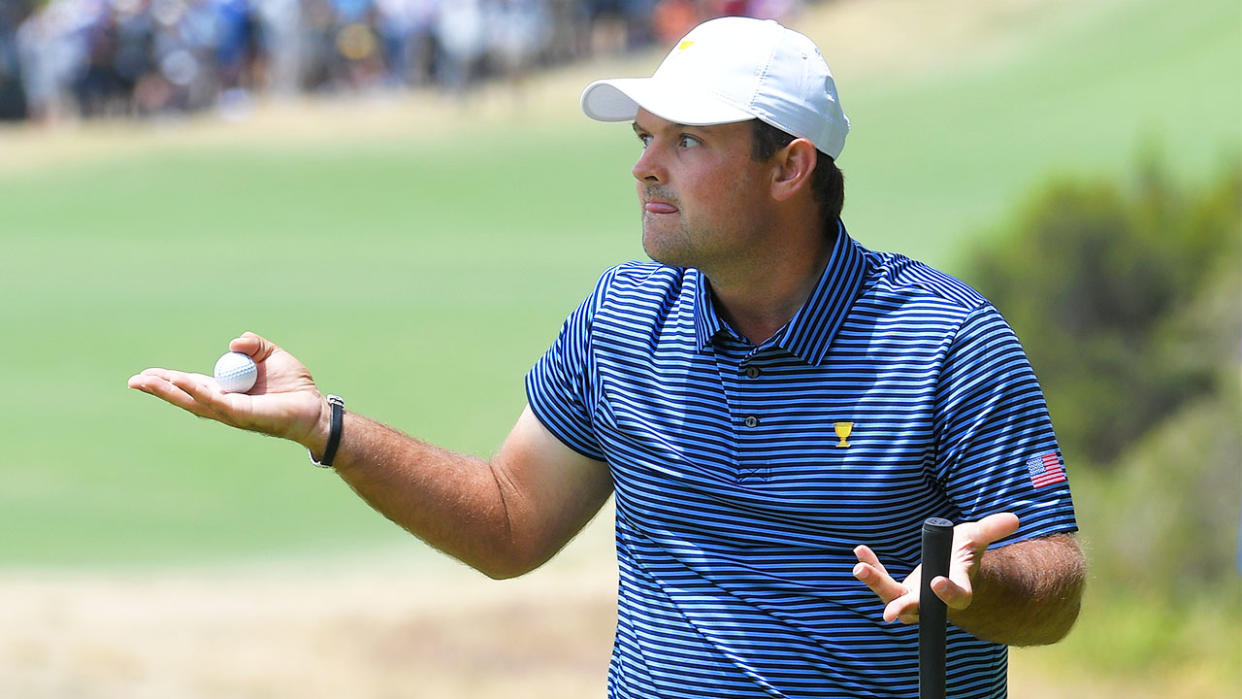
(504, 516)
(283, 403)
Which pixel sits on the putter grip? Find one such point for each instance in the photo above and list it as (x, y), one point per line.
(933, 617)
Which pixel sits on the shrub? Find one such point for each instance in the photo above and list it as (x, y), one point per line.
(1096, 280)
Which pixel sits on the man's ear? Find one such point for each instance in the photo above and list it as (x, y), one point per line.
(792, 167)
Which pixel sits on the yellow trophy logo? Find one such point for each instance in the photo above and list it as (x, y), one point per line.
(843, 433)
(684, 45)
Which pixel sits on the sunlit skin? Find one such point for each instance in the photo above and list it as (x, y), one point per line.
(751, 227)
(700, 192)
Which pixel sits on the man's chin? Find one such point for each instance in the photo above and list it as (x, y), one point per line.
(663, 256)
(658, 249)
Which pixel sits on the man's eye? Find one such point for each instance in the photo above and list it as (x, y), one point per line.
(687, 141)
(645, 139)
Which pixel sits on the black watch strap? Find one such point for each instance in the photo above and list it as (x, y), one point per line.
(334, 432)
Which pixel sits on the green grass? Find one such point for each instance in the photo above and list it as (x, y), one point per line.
(390, 282)
(421, 277)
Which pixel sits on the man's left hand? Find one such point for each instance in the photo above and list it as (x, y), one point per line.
(970, 540)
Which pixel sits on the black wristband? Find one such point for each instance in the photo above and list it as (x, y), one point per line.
(334, 432)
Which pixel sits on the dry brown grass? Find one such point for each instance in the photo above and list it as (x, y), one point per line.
(404, 624)
(379, 626)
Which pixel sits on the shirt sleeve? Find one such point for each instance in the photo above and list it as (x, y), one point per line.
(996, 448)
(560, 387)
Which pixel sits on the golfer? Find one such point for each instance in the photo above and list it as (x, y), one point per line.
(776, 408)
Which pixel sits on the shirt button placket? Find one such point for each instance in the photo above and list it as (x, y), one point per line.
(751, 421)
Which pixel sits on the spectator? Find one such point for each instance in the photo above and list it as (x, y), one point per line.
(99, 58)
(462, 36)
(12, 91)
(672, 19)
(405, 27)
(517, 32)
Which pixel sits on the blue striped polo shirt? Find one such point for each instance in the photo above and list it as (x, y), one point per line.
(745, 475)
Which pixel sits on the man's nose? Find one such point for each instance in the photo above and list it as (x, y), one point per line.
(649, 167)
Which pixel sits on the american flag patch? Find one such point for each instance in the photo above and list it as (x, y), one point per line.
(1046, 469)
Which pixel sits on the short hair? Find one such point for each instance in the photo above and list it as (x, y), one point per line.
(827, 181)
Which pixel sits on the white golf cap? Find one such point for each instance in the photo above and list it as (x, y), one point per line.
(734, 69)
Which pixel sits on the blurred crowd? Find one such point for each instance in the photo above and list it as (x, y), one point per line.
(142, 58)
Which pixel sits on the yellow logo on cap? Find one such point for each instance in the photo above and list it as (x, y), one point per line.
(684, 45)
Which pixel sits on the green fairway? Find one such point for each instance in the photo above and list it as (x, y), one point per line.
(390, 281)
(420, 276)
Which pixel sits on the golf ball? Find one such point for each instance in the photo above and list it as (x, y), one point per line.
(236, 372)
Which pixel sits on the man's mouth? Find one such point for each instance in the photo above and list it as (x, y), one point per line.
(659, 207)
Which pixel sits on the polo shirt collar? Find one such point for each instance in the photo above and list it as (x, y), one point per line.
(707, 322)
(810, 332)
